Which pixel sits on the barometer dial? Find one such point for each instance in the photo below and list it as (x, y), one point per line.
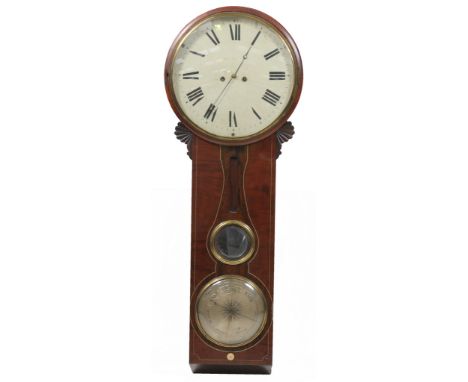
(231, 311)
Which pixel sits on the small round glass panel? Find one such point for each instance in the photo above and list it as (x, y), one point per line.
(232, 242)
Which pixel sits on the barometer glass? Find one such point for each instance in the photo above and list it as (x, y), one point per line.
(231, 311)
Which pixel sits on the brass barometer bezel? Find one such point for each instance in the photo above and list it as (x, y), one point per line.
(258, 332)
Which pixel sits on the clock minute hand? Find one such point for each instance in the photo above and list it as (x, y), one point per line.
(222, 91)
(244, 57)
(234, 75)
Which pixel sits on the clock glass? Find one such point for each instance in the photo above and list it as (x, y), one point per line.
(233, 75)
(231, 311)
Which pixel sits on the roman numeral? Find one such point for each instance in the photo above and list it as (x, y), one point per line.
(232, 119)
(256, 114)
(235, 32)
(271, 97)
(255, 38)
(192, 76)
(211, 111)
(214, 39)
(195, 95)
(196, 53)
(277, 76)
(271, 54)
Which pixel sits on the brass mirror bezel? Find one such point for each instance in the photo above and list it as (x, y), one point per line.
(220, 257)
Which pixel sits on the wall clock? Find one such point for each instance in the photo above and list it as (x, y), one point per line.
(233, 76)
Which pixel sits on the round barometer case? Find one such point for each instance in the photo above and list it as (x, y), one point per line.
(231, 311)
(233, 76)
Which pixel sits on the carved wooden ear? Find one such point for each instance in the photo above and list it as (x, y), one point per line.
(284, 134)
(185, 136)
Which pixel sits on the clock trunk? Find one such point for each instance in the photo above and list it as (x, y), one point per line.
(242, 191)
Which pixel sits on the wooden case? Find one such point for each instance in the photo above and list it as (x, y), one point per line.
(233, 180)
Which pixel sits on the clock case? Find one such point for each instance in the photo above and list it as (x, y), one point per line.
(233, 180)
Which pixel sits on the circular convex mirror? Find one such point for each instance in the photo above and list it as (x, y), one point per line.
(232, 242)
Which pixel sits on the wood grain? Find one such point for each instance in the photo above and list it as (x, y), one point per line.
(233, 180)
(210, 205)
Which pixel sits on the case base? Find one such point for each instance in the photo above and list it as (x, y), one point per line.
(230, 369)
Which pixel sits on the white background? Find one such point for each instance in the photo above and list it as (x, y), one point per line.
(372, 194)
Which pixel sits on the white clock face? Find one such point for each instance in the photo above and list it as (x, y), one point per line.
(233, 75)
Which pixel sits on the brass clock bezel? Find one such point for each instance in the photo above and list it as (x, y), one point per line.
(289, 43)
(259, 331)
(247, 256)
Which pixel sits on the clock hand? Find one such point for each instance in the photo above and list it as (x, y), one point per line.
(222, 91)
(234, 75)
(244, 57)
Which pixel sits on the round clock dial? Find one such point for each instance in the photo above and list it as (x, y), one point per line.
(231, 311)
(233, 75)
